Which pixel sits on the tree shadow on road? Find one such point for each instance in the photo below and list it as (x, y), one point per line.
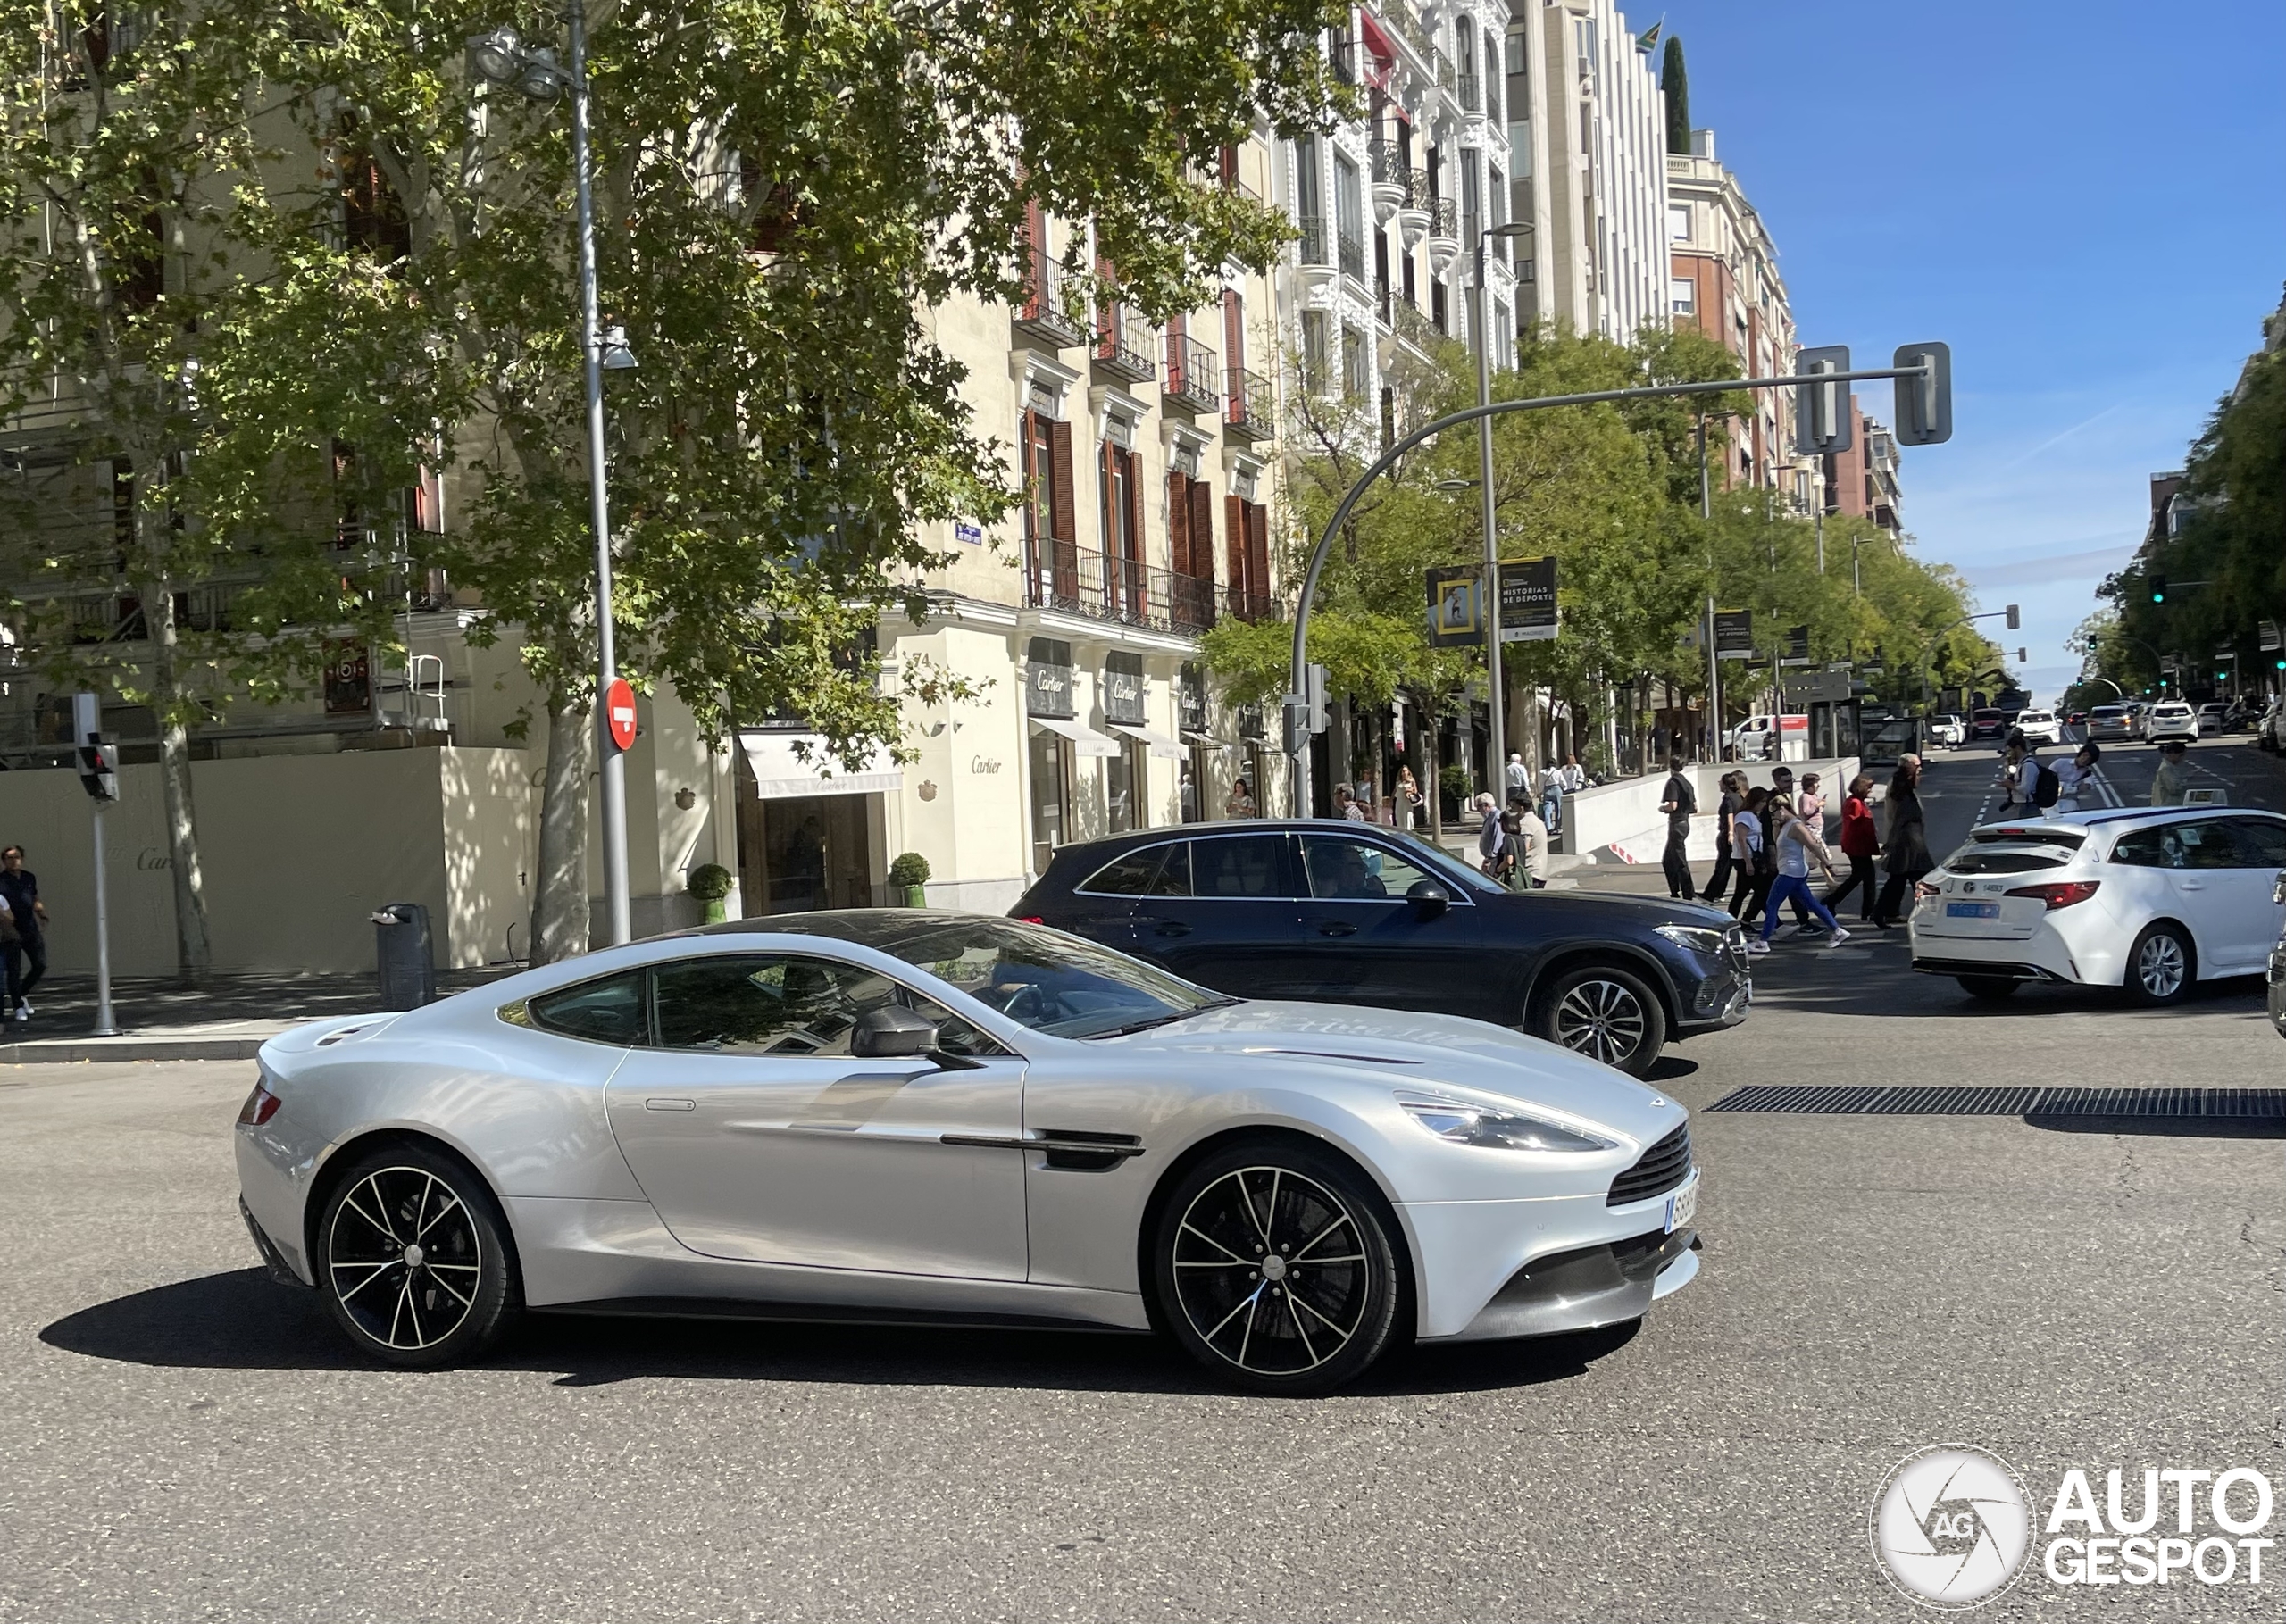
(242, 1319)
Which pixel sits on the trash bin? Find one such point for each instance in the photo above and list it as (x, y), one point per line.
(406, 954)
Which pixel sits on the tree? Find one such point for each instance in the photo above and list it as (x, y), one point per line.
(781, 190)
(1674, 84)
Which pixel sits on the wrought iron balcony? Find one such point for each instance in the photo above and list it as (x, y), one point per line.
(1044, 313)
(1191, 376)
(1190, 602)
(1444, 63)
(1316, 246)
(1352, 254)
(1079, 581)
(1471, 88)
(1249, 412)
(1240, 604)
(1123, 345)
(1444, 218)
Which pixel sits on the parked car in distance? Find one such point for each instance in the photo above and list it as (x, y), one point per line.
(1948, 730)
(1987, 724)
(2171, 718)
(1333, 912)
(2110, 722)
(1753, 739)
(2039, 726)
(2078, 719)
(2214, 719)
(2150, 900)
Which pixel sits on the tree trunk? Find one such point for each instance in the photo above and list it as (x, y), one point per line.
(193, 952)
(560, 914)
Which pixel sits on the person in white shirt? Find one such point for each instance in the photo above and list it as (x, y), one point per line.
(1531, 843)
(1572, 775)
(1798, 845)
(1551, 795)
(2076, 777)
(1515, 775)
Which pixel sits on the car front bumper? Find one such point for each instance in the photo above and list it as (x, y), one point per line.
(2278, 988)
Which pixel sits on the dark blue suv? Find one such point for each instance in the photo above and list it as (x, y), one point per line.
(1352, 913)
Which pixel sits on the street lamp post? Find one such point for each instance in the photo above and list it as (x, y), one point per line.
(1495, 684)
(503, 57)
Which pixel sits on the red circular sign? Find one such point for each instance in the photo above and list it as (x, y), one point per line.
(618, 714)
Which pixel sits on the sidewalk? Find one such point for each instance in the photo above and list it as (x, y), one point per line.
(162, 1018)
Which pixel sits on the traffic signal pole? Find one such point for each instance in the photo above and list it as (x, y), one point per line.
(1924, 371)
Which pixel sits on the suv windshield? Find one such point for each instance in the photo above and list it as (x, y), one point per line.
(1047, 980)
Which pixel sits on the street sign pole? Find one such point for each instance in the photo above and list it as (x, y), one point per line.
(105, 1025)
(99, 773)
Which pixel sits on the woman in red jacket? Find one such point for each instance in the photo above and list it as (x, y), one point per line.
(1861, 845)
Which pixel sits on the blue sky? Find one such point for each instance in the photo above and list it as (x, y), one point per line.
(2083, 200)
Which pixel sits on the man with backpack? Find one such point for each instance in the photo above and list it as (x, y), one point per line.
(2024, 778)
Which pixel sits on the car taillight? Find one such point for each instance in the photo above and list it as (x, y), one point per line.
(259, 1107)
(1031, 919)
(2062, 894)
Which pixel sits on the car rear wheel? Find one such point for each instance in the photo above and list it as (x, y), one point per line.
(1275, 1264)
(414, 1260)
(1993, 988)
(1607, 1014)
(2160, 966)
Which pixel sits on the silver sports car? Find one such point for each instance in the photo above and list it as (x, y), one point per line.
(911, 1116)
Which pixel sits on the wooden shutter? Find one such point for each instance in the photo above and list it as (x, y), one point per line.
(1202, 529)
(1234, 331)
(1132, 542)
(1258, 556)
(1179, 525)
(1234, 531)
(1063, 517)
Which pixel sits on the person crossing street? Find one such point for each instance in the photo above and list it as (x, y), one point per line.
(1680, 802)
(1798, 846)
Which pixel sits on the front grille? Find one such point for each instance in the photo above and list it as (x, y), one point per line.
(1657, 1171)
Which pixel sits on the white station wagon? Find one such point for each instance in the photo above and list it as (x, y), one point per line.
(2150, 900)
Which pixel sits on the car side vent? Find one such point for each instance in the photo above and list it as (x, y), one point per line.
(1656, 1170)
(1068, 1148)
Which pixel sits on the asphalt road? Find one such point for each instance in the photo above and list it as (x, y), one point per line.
(182, 1440)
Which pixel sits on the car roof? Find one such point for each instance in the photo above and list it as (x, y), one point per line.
(2107, 817)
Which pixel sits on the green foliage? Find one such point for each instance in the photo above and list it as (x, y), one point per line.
(710, 882)
(1674, 84)
(909, 869)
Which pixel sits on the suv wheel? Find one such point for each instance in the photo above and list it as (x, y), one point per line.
(1605, 1014)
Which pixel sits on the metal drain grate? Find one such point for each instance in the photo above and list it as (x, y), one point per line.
(2231, 1104)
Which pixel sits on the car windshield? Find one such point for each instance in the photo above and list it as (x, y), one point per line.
(1047, 980)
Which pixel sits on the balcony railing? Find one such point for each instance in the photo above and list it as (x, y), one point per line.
(1444, 218)
(1342, 55)
(1191, 377)
(1352, 254)
(1249, 411)
(1471, 88)
(1401, 16)
(1241, 604)
(1387, 159)
(1043, 313)
(1123, 343)
(1445, 75)
(1316, 246)
(1079, 581)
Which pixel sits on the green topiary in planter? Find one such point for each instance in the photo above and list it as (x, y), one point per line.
(710, 883)
(909, 873)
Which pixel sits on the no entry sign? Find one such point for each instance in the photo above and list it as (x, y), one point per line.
(618, 714)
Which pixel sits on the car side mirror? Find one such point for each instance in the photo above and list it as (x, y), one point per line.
(892, 1032)
(2278, 887)
(1429, 899)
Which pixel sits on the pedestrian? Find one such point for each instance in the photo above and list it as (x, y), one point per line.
(2170, 785)
(1574, 776)
(1531, 848)
(1750, 845)
(1515, 775)
(2019, 778)
(2076, 777)
(1781, 783)
(1411, 805)
(1348, 806)
(1513, 872)
(1489, 837)
(1905, 854)
(1861, 843)
(1734, 789)
(1551, 797)
(1241, 801)
(1680, 801)
(19, 892)
(1809, 805)
(1798, 846)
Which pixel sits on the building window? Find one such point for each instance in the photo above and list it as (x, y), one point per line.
(1317, 349)
(1349, 223)
(1356, 376)
(1679, 222)
(1051, 796)
(1125, 787)
(1683, 295)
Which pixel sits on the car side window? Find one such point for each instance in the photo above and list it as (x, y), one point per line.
(1356, 870)
(2206, 844)
(609, 1010)
(1238, 866)
(2141, 848)
(1129, 874)
(2262, 842)
(784, 1004)
(1173, 879)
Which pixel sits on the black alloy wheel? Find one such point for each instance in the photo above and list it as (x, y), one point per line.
(1607, 1014)
(415, 1259)
(1275, 1264)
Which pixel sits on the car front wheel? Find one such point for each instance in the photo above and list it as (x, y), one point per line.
(1275, 1264)
(414, 1260)
(1607, 1014)
(2159, 967)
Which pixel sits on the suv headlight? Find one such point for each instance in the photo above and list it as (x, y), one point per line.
(1696, 938)
(1500, 1129)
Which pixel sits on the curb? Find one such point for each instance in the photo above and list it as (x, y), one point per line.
(130, 1048)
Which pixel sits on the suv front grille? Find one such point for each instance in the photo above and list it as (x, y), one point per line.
(1657, 1171)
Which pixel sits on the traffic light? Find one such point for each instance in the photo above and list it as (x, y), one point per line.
(1925, 404)
(2159, 588)
(2015, 620)
(1823, 423)
(99, 768)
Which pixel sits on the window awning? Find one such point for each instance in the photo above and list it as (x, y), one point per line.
(1084, 738)
(1165, 748)
(781, 774)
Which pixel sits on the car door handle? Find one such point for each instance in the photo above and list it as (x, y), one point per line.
(1174, 927)
(2192, 884)
(1337, 927)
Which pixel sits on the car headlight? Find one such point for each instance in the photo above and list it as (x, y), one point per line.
(1698, 938)
(1499, 1129)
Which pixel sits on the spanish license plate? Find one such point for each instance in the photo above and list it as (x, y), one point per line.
(1683, 1206)
(1972, 911)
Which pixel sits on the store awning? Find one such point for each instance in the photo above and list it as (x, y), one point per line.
(1191, 735)
(1165, 748)
(780, 773)
(1084, 738)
